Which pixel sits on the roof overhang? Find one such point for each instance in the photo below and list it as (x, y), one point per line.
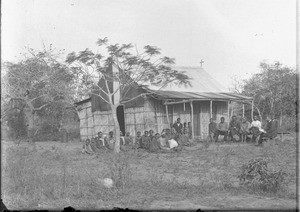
(173, 97)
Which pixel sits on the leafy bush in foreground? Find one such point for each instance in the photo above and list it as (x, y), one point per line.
(255, 175)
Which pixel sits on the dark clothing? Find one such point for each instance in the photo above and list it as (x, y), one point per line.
(184, 140)
(271, 130)
(212, 127)
(128, 140)
(255, 133)
(219, 132)
(178, 127)
(99, 143)
(234, 129)
(138, 142)
(145, 142)
(190, 131)
(154, 145)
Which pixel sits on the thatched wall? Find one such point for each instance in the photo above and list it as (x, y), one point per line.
(86, 120)
(152, 116)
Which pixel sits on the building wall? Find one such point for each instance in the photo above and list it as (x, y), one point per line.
(152, 116)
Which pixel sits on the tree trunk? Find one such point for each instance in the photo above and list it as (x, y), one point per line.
(117, 129)
(259, 114)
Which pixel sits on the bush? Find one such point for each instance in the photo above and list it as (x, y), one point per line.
(120, 171)
(256, 176)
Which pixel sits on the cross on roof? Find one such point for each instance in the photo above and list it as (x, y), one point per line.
(201, 62)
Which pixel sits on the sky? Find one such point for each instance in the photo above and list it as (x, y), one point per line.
(231, 36)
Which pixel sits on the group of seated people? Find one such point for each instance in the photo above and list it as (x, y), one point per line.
(169, 139)
(238, 131)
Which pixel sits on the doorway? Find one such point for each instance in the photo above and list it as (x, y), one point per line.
(121, 118)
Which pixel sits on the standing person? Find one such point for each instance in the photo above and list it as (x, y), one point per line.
(145, 140)
(222, 129)
(245, 129)
(190, 130)
(212, 128)
(178, 126)
(234, 129)
(271, 129)
(110, 140)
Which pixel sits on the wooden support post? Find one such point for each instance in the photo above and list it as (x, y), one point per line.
(192, 118)
(210, 109)
(252, 108)
(168, 116)
(243, 110)
(228, 110)
(183, 106)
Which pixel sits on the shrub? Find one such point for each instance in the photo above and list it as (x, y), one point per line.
(255, 175)
(120, 171)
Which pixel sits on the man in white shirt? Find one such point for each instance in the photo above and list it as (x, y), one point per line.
(256, 129)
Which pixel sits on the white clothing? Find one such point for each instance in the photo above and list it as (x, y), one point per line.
(172, 143)
(258, 125)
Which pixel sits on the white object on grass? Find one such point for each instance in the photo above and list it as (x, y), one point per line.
(172, 143)
(108, 183)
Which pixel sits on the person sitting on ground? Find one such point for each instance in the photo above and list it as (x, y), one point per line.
(222, 129)
(169, 135)
(178, 127)
(87, 147)
(100, 140)
(128, 139)
(145, 141)
(245, 129)
(162, 141)
(154, 145)
(122, 140)
(256, 129)
(138, 140)
(234, 129)
(212, 127)
(184, 126)
(184, 139)
(190, 130)
(110, 141)
(93, 145)
(271, 129)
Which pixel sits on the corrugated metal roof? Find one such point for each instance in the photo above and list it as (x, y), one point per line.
(200, 95)
(203, 86)
(200, 81)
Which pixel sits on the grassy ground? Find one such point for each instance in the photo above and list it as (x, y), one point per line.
(53, 175)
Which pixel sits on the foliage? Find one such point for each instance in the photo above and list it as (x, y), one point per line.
(16, 121)
(274, 89)
(256, 175)
(41, 83)
(120, 171)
